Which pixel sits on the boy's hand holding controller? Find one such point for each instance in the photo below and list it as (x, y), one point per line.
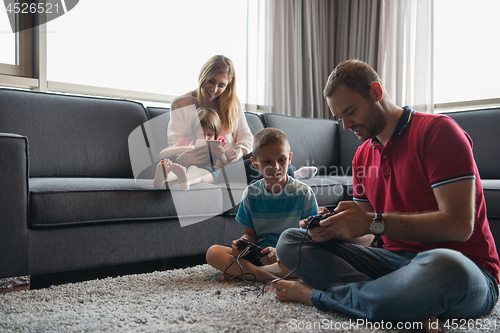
(234, 246)
(269, 256)
(237, 247)
(318, 232)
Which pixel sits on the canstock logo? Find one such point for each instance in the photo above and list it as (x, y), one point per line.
(27, 14)
(201, 201)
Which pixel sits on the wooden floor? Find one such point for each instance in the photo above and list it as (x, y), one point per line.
(11, 289)
(47, 280)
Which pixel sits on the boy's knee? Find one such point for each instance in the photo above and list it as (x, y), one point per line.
(211, 254)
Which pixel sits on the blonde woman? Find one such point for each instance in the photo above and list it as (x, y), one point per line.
(216, 90)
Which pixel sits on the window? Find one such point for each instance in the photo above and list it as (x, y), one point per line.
(15, 49)
(154, 46)
(7, 41)
(466, 51)
(153, 50)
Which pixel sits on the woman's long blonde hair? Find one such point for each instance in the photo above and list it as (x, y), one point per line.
(228, 104)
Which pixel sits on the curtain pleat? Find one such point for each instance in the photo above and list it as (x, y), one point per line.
(306, 39)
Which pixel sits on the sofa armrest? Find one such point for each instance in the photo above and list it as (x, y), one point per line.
(13, 205)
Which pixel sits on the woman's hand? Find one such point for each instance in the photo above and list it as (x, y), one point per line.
(221, 156)
(199, 156)
(234, 154)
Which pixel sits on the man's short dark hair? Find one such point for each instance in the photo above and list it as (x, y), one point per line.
(356, 75)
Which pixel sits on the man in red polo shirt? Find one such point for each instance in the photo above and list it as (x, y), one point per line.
(416, 185)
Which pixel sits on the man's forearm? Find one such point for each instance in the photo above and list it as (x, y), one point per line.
(428, 227)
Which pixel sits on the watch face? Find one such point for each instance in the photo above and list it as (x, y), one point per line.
(377, 228)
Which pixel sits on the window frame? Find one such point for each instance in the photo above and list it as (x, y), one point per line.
(24, 55)
(31, 72)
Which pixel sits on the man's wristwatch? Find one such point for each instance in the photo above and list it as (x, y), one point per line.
(377, 227)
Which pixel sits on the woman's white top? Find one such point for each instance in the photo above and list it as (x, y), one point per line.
(184, 109)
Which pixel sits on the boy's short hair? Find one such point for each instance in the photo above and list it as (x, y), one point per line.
(207, 118)
(269, 136)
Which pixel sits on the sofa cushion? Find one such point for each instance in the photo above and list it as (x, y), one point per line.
(71, 201)
(347, 184)
(482, 126)
(314, 142)
(349, 143)
(254, 122)
(154, 111)
(70, 136)
(491, 189)
(328, 191)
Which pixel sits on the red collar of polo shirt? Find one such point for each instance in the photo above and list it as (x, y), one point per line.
(404, 121)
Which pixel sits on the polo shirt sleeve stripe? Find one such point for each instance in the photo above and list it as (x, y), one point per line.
(360, 199)
(452, 180)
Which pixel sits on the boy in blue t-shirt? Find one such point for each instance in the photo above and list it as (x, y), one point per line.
(268, 207)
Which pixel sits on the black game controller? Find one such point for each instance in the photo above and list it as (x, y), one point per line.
(253, 248)
(313, 221)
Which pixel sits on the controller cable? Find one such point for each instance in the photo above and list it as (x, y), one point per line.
(252, 283)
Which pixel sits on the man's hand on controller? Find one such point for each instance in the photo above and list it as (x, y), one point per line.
(319, 234)
(350, 222)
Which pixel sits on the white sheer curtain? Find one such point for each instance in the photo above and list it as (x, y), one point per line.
(284, 56)
(405, 52)
(255, 56)
(305, 39)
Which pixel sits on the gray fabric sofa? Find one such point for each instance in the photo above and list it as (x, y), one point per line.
(482, 126)
(69, 200)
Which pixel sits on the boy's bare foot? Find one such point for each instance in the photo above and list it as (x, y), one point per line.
(432, 325)
(225, 277)
(180, 172)
(296, 291)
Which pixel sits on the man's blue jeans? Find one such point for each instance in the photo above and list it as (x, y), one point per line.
(378, 284)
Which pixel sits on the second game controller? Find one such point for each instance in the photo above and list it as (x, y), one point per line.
(313, 221)
(253, 248)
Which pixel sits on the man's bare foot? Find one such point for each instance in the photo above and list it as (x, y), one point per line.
(162, 170)
(180, 172)
(296, 291)
(432, 325)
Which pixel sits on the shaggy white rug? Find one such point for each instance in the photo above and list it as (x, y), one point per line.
(181, 300)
